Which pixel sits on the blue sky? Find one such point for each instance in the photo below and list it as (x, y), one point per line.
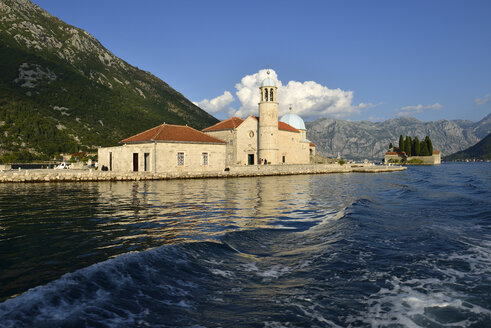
(356, 60)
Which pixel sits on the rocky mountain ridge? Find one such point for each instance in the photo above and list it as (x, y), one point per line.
(370, 140)
(480, 151)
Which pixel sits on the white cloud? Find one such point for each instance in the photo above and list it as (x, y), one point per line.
(481, 101)
(216, 104)
(411, 110)
(308, 99)
(368, 105)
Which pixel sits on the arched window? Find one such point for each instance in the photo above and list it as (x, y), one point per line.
(271, 95)
(265, 94)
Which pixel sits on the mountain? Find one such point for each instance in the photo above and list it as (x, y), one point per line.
(481, 151)
(62, 91)
(370, 140)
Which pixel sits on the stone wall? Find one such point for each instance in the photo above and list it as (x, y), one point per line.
(230, 137)
(435, 159)
(247, 141)
(429, 160)
(292, 147)
(52, 175)
(163, 157)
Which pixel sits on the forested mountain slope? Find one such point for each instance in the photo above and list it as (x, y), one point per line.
(62, 91)
(480, 151)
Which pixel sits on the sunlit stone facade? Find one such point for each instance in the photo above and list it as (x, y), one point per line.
(252, 141)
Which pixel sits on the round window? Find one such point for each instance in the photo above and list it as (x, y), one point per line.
(251, 134)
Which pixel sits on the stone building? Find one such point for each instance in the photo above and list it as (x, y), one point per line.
(165, 148)
(235, 141)
(396, 156)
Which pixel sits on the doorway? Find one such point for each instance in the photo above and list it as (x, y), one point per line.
(146, 158)
(135, 162)
(250, 159)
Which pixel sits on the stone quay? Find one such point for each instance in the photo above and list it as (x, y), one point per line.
(73, 175)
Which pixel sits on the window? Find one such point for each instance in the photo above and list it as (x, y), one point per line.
(204, 158)
(283, 159)
(265, 94)
(231, 141)
(270, 95)
(180, 158)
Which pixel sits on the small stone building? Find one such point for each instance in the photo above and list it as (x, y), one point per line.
(165, 148)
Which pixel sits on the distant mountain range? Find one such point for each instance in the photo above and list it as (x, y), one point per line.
(62, 91)
(370, 140)
(480, 151)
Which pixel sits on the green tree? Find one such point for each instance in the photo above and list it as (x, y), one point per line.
(417, 149)
(401, 143)
(423, 149)
(429, 145)
(390, 146)
(407, 147)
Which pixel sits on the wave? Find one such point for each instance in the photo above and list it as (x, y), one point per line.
(364, 264)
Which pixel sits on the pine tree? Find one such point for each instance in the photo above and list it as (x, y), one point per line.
(417, 149)
(423, 148)
(390, 146)
(429, 144)
(407, 146)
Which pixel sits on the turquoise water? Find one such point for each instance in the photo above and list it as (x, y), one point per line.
(398, 249)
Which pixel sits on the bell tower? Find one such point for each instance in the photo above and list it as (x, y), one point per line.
(268, 121)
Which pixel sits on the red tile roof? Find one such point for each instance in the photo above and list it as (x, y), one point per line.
(312, 144)
(168, 132)
(436, 152)
(234, 122)
(228, 124)
(286, 127)
(395, 153)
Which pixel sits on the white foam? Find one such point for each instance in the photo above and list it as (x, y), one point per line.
(225, 274)
(406, 301)
(311, 312)
(274, 272)
(249, 267)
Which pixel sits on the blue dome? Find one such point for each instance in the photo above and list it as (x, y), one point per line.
(293, 120)
(268, 82)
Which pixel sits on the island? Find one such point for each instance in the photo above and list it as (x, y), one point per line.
(412, 151)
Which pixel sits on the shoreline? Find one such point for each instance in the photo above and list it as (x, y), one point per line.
(74, 175)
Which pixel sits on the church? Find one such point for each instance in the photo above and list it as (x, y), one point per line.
(252, 141)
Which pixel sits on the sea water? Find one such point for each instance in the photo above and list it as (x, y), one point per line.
(404, 249)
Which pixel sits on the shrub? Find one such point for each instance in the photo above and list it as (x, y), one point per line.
(415, 161)
(341, 162)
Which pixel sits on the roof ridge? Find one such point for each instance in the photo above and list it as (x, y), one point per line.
(160, 130)
(147, 130)
(231, 121)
